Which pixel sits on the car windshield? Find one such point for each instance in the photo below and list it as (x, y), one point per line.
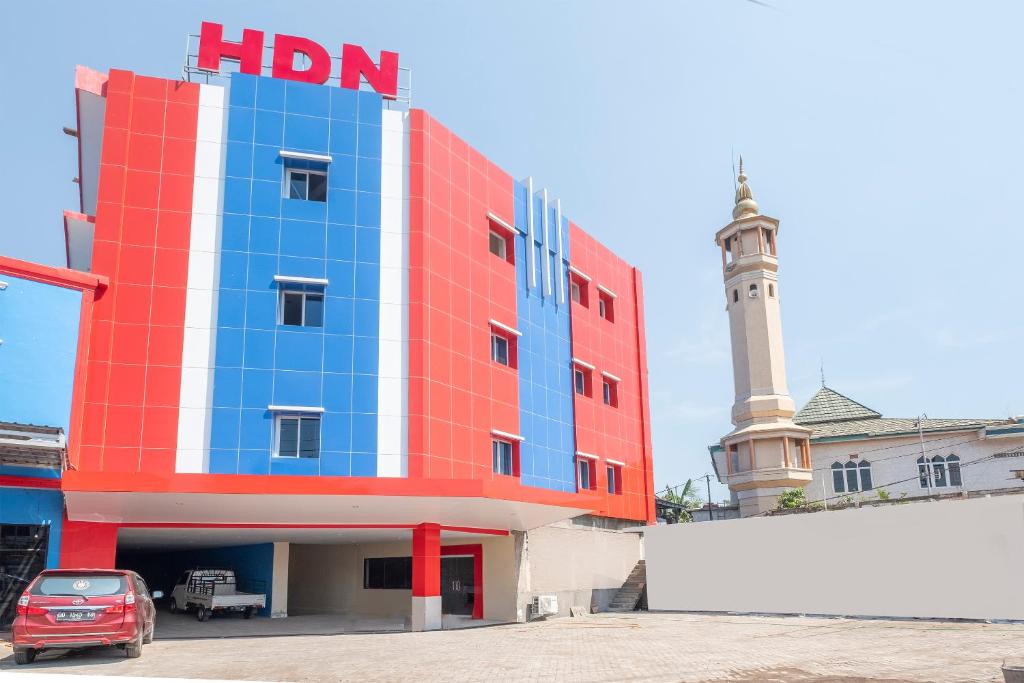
(87, 585)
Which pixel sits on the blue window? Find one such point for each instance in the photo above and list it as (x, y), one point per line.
(305, 179)
(298, 436)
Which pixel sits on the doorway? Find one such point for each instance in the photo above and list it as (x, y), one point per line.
(22, 556)
(458, 588)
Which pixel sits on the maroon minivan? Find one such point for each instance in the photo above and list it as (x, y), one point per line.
(77, 608)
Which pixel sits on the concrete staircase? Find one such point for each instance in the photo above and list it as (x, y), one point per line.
(632, 590)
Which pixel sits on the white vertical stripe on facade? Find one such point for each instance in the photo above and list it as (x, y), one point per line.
(393, 349)
(531, 235)
(199, 339)
(545, 240)
(559, 264)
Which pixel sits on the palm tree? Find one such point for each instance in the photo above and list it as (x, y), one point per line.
(685, 496)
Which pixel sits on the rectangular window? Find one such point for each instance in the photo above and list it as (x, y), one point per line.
(586, 473)
(610, 390)
(614, 479)
(606, 306)
(502, 457)
(499, 349)
(303, 309)
(579, 290)
(582, 381)
(298, 436)
(498, 245)
(387, 573)
(306, 184)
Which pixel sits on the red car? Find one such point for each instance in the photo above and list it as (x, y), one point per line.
(76, 608)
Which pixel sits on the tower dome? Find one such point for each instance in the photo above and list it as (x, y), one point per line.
(745, 204)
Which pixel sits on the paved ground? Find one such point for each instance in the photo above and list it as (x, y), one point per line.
(606, 647)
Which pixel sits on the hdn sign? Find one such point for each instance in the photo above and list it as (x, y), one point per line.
(355, 63)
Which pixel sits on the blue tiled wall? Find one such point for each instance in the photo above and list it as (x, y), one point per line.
(35, 506)
(546, 455)
(258, 362)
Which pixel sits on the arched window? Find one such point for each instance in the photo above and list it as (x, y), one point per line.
(923, 472)
(939, 471)
(851, 477)
(753, 291)
(735, 295)
(865, 475)
(771, 289)
(953, 465)
(838, 481)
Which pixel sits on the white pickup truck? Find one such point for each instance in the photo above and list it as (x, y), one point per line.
(213, 590)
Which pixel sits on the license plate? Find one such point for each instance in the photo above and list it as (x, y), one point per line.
(76, 615)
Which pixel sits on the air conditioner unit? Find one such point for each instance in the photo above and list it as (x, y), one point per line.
(545, 605)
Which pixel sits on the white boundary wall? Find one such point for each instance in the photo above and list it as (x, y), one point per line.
(946, 559)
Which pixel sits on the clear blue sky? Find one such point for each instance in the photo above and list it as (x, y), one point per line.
(885, 136)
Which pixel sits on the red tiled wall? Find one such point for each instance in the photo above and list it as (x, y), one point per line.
(456, 393)
(619, 433)
(141, 243)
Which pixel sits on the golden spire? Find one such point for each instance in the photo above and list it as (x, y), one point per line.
(745, 204)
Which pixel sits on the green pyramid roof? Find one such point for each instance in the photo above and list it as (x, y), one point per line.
(831, 406)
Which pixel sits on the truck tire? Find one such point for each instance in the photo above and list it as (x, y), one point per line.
(249, 611)
(202, 614)
(133, 650)
(173, 606)
(24, 656)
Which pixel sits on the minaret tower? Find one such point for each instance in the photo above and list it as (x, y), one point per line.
(767, 452)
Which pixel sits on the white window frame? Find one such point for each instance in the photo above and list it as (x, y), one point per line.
(578, 372)
(287, 190)
(614, 486)
(857, 469)
(575, 292)
(288, 290)
(502, 239)
(929, 465)
(495, 338)
(298, 434)
(584, 465)
(497, 444)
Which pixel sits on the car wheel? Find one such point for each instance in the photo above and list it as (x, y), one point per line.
(249, 611)
(202, 614)
(173, 606)
(133, 650)
(24, 656)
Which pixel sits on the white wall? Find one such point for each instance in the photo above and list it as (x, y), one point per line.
(945, 559)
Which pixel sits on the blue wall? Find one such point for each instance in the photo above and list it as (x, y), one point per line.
(35, 506)
(547, 455)
(258, 362)
(39, 328)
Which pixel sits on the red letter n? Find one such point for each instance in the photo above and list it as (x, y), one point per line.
(355, 63)
(213, 48)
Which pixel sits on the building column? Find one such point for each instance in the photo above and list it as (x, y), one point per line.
(91, 545)
(426, 577)
(279, 582)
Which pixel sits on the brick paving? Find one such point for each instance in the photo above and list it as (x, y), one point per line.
(606, 647)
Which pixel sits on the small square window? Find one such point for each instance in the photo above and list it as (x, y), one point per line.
(306, 184)
(498, 245)
(606, 306)
(579, 290)
(298, 436)
(499, 241)
(503, 457)
(610, 392)
(301, 308)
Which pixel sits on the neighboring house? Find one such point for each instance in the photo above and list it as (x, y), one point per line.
(857, 453)
(715, 512)
(41, 310)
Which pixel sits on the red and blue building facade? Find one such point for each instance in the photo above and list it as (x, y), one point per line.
(410, 255)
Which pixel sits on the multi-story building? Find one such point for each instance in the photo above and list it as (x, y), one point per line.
(342, 351)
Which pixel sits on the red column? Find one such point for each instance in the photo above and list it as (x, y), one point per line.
(426, 577)
(87, 545)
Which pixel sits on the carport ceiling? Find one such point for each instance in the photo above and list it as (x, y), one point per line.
(168, 538)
